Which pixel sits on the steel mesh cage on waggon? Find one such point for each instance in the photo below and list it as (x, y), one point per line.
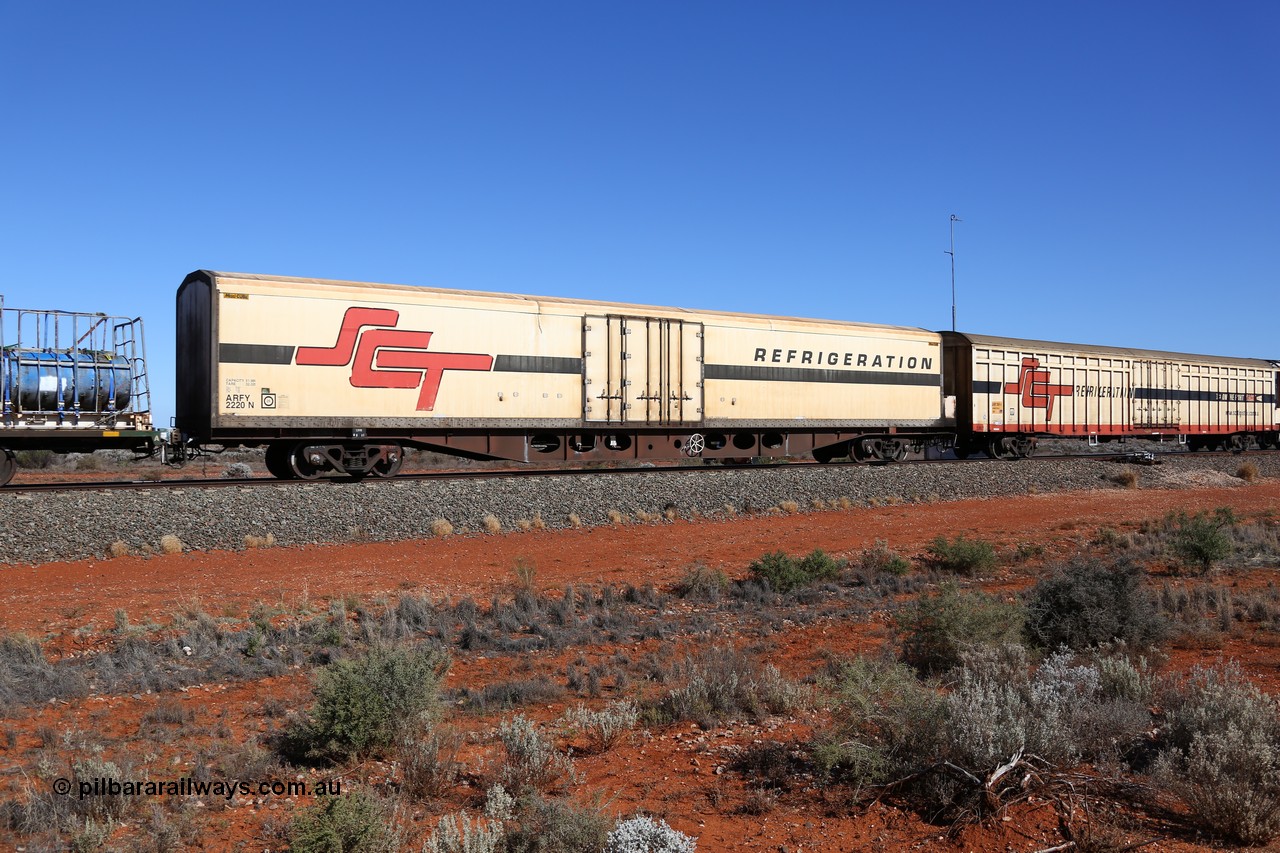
(71, 381)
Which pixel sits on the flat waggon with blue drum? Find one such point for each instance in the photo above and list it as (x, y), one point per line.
(71, 382)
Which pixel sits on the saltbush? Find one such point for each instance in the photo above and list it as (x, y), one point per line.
(363, 704)
(533, 763)
(1223, 754)
(351, 823)
(702, 583)
(457, 833)
(605, 727)
(721, 683)
(882, 712)
(960, 556)
(785, 573)
(882, 558)
(556, 826)
(1201, 540)
(937, 629)
(1085, 603)
(937, 747)
(238, 471)
(641, 834)
(34, 458)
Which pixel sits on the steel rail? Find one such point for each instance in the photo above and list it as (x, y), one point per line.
(488, 473)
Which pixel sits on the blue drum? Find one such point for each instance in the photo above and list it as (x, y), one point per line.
(46, 382)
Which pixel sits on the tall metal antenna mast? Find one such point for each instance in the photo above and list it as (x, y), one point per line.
(952, 253)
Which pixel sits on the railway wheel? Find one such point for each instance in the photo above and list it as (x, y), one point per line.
(277, 460)
(1268, 440)
(858, 450)
(8, 465)
(304, 465)
(893, 451)
(390, 463)
(1002, 448)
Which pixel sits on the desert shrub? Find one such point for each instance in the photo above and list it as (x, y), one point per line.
(1200, 613)
(722, 683)
(354, 822)
(458, 834)
(936, 630)
(702, 583)
(238, 471)
(785, 573)
(26, 676)
(604, 728)
(532, 761)
(882, 558)
(961, 556)
(364, 704)
(642, 834)
(882, 712)
(556, 826)
(942, 750)
(491, 523)
(101, 805)
(1223, 754)
(441, 528)
(88, 462)
(1086, 603)
(170, 544)
(1060, 713)
(34, 458)
(511, 694)
(1027, 551)
(767, 764)
(1247, 472)
(1121, 678)
(1201, 540)
(90, 836)
(1128, 478)
(429, 764)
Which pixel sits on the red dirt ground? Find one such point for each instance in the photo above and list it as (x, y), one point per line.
(667, 772)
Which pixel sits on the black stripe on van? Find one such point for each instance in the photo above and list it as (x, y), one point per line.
(536, 364)
(757, 373)
(254, 354)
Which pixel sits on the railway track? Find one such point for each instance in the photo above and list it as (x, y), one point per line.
(489, 473)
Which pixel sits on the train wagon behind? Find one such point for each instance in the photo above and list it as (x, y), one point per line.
(71, 382)
(339, 375)
(1010, 391)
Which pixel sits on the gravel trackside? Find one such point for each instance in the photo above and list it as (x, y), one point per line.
(44, 527)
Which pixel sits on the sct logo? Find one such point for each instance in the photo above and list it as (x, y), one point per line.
(1034, 388)
(382, 356)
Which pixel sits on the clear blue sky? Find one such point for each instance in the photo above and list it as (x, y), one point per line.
(1116, 165)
